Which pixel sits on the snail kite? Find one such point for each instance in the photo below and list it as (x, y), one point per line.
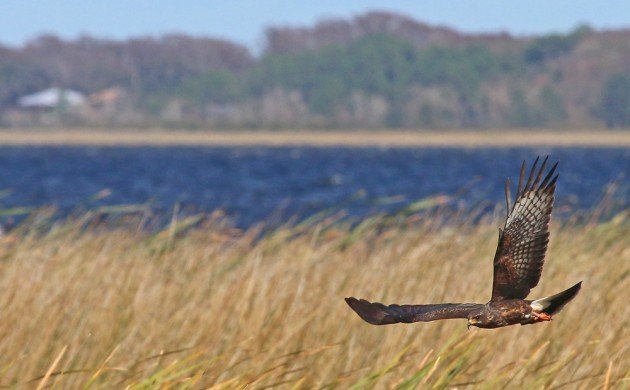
(518, 264)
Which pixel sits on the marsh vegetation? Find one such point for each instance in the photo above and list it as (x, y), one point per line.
(200, 304)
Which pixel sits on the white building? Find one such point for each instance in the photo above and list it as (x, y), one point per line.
(51, 98)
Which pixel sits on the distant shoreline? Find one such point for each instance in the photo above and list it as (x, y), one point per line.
(324, 138)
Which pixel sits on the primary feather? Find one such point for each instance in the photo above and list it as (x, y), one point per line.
(523, 241)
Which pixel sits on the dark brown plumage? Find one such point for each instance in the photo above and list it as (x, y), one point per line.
(518, 264)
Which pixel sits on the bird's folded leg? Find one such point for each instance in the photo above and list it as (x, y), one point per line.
(542, 316)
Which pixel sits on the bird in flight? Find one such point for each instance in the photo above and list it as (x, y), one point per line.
(518, 264)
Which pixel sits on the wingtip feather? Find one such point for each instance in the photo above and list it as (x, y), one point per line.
(368, 311)
(530, 178)
(508, 196)
(540, 172)
(521, 176)
(545, 181)
(552, 184)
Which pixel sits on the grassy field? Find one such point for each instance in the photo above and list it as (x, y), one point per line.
(350, 138)
(210, 306)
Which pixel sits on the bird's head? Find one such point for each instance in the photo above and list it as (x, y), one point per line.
(476, 319)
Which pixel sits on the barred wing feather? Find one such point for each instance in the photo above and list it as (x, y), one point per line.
(523, 241)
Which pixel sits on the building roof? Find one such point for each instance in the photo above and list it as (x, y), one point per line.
(52, 97)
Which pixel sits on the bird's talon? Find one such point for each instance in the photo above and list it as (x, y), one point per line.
(542, 316)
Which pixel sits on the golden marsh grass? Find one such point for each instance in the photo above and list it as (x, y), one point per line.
(87, 307)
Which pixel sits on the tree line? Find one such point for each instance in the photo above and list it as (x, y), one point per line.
(375, 70)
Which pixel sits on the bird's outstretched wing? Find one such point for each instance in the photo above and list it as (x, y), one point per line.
(520, 255)
(378, 314)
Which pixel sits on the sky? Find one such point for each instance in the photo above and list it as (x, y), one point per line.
(244, 21)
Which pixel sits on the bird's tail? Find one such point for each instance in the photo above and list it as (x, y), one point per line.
(553, 304)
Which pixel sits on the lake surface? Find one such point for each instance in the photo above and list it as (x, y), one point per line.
(253, 183)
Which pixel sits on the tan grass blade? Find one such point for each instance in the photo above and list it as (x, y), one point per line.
(51, 369)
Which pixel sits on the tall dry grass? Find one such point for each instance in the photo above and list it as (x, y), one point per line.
(591, 138)
(210, 306)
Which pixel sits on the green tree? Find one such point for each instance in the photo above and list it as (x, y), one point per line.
(217, 86)
(552, 108)
(521, 112)
(614, 106)
(554, 45)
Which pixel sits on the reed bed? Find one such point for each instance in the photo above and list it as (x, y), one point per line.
(202, 305)
(330, 138)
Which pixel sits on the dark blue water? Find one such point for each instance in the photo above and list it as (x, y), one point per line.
(251, 184)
